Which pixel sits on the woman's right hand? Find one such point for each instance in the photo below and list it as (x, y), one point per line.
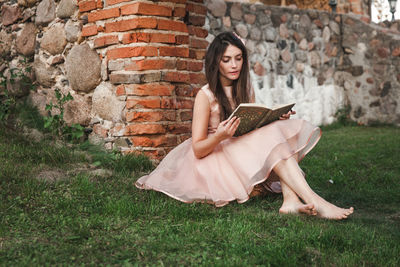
(227, 128)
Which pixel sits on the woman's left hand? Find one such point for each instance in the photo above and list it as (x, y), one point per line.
(287, 115)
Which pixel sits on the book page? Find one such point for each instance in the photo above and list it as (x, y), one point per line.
(275, 114)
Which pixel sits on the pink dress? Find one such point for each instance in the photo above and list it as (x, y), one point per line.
(235, 166)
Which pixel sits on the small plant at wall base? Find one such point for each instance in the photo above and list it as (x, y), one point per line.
(55, 120)
(16, 80)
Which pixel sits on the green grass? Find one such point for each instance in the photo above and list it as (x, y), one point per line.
(90, 220)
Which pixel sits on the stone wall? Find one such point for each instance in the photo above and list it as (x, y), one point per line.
(133, 67)
(320, 60)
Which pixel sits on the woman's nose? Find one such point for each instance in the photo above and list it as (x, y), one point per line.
(234, 64)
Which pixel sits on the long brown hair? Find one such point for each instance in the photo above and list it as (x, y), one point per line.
(240, 86)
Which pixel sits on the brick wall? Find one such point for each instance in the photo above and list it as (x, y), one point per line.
(152, 53)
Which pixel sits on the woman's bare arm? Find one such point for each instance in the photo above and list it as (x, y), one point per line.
(201, 142)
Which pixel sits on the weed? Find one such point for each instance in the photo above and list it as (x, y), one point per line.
(55, 120)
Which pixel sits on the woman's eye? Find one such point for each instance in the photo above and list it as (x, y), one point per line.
(225, 60)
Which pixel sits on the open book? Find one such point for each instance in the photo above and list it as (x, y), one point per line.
(254, 116)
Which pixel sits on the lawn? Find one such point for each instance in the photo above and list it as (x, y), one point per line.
(85, 219)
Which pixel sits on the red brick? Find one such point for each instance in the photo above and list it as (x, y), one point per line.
(136, 37)
(150, 89)
(103, 14)
(197, 20)
(143, 103)
(113, 2)
(198, 78)
(173, 103)
(87, 6)
(130, 24)
(105, 41)
(144, 129)
(124, 52)
(174, 1)
(100, 130)
(99, 4)
(154, 141)
(179, 12)
(198, 9)
(195, 65)
(182, 39)
(174, 51)
(186, 115)
(100, 28)
(150, 116)
(146, 9)
(184, 90)
(148, 38)
(171, 25)
(175, 76)
(153, 64)
(181, 128)
(197, 53)
(181, 65)
(198, 31)
(196, 43)
(183, 137)
(89, 30)
(120, 90)
(155, 154)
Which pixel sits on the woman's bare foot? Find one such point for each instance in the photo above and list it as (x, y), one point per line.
(297, 207)
(329, 211)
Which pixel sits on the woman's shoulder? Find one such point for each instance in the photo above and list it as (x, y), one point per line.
(206, 90)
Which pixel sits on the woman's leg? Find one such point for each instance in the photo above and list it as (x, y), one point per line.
(291, 175)
(292, 203)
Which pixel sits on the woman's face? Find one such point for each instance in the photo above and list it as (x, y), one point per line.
(230, 65)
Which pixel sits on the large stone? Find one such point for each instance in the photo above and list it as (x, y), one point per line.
(270, 34)
(27, 3)
(43, 73)
(26, 41)
(286, 57)
(10, 14)
(283, 31)
(334, 27)
(40, 99)
(105, 103)
(78, 110)
(241, 30)
(83, 67)
(46, 12)
(236, 11)
(72, 31)
(216, 7)
(6, 42)
(326, 34)
(255, 34)
(54, 40)
(315, 59)
(66, 8)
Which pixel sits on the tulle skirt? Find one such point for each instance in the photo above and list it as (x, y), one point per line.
(235, 166)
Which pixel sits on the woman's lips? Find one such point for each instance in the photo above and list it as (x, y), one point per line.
(234, 73)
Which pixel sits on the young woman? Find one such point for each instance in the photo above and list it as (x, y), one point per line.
(215, 167)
